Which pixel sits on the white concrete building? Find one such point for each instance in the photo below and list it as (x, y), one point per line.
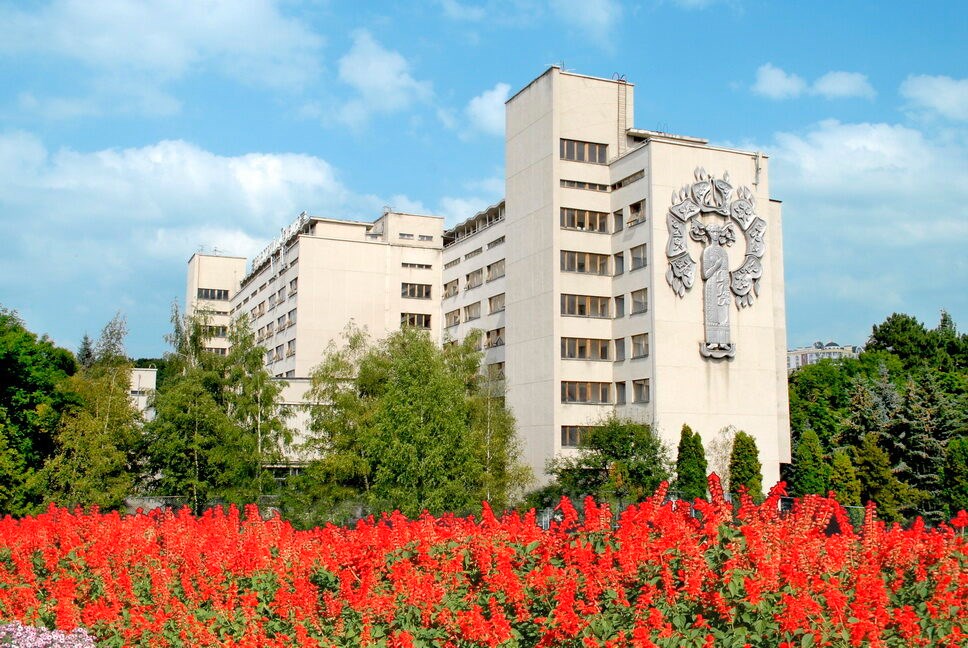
(143, 384)
(803, 356)
(576, 260)
(212, 282)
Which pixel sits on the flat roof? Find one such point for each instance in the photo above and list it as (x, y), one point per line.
(563, 71)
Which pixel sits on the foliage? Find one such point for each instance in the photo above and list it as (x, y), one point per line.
(954, 482)
(745, 469)
(93, 462)
(618, 459)
(690, 465)
(404, 425)
(660, 575)
(878, 482)
(85, 352)
(811, 474)
(843, 479)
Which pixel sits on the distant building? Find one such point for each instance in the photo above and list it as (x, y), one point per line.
(143, 383)
(804, 356)
(212, 282)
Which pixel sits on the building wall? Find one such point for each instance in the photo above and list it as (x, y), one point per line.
(208, 272)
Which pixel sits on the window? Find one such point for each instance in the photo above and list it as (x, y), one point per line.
(584, 349)
(290, 348)
(292, 286)
(583, 151)
(495, 371)
(620, 306)
(216, 331)
(216, 351)
(272, 301)
(584, 220)
(450, 288)
(472, 311)
(640, 345)
(415, 291)
(280, 322)
(624, 182)
(292, 317)
(640, 390)
(425, 237)
(215, 294)
(617, 218)
(451, 263)
(637, 213)
(620, 393)
(452, 318)
(278, 354)
(619, 263)
(584, 262)
(472, 254)
(405, 236)
(619, 349)
(578, 184)
(585, 392)
(269, 357)
(474, 279)
(496, 242)
(268, 329)
(571, 435)
(416, 320)
(496, 303)
(417, 266)
(281, 295)
(495, 270)
(638, 256)
(584, 306)
(495, 338)
(640, 301)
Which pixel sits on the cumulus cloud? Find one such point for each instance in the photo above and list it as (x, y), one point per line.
(594, 16)
(485, 112)
(110, 227)
(941, 95)
(872, 224)
(381, 78)
(142, 46)
(775, 83)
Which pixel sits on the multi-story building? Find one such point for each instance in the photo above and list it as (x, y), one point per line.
(212, 282)
(803, 356)
(584, 282)
(143, 383)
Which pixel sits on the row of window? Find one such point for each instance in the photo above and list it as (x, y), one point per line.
(595, 186)
(282, 322)
(602, 349)
(586, 220)
(472, 312)
(583, 151)
(420, 237)
(275, 298)
(415, 320)
(600, 307)
(214, 294)
(415, 291)
(281, 352)
(417, 266)
(601, 393)
(216, 331)
(475, 278)
(292, 284)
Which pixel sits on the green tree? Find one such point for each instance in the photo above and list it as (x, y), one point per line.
(843, 479)
(690, 465)
(954, 476)
(905, 337)
(745, 468)
(878, 482)
(94, 458)
(85, 352)
(810, 471)
(619, 459)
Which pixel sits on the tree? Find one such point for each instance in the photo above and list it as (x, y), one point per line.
(94, 458)
(690, 465)
(905, 337)
(404, 425)
(843, 479)
(954, 476)
(745, 468)
(878, 482)
(619, 459)
(85, 352)
(810, 472)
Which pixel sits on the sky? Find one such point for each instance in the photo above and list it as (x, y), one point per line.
(134, 134)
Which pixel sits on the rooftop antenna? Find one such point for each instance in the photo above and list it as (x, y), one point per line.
(215, 251)
(387, 209)
(618, 77)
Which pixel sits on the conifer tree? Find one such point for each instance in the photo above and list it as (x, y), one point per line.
(810, 471)
(745, 468)
(85, 352)
(690, 465)
(878, 482)
(954, 476)
(843, 479)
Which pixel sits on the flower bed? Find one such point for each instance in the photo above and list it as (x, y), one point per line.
(658, 576)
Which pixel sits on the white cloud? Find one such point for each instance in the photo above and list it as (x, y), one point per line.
(463, 12)
(939, 94)
(382, 79)
(458, 209)
(774, 83)
(836, 85)
(595, 16)
(103, 228)
(485, 112)
(133, 49)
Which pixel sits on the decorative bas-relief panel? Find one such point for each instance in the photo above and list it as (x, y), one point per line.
(697, 209)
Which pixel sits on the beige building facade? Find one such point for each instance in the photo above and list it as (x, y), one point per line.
(212, 282)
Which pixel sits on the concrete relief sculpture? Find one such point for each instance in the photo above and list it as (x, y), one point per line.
(716, 198)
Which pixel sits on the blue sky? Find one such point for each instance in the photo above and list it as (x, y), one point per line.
(131, 134)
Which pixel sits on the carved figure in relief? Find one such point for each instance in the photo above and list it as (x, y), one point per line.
(717, 198)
